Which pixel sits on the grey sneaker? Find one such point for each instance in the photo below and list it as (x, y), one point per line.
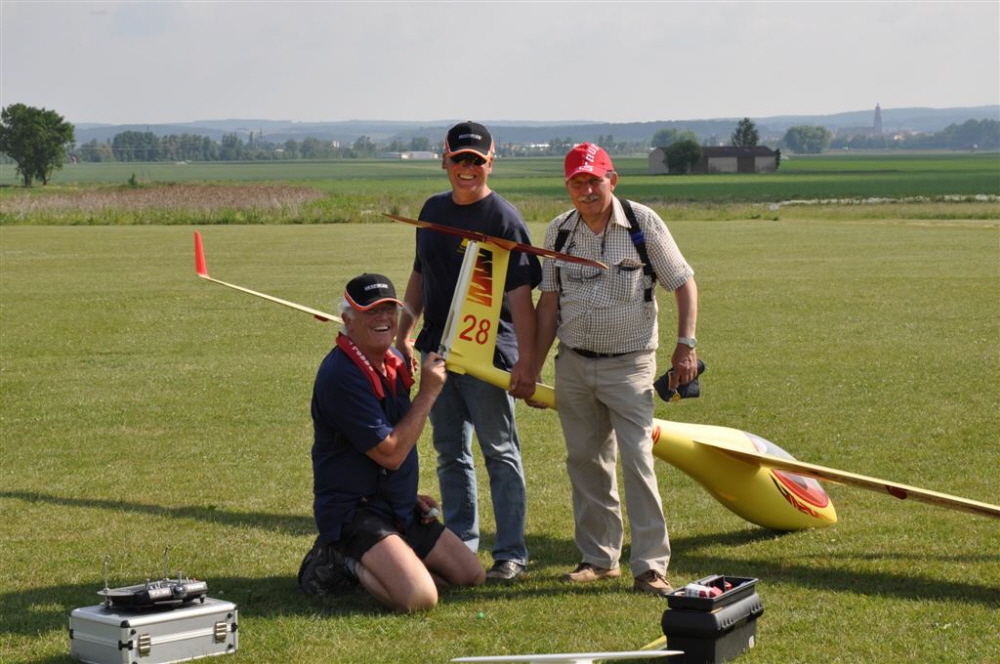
(652, 583)
(585, 573)
(504, 570)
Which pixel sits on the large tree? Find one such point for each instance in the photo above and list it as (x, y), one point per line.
(36, 139)
(682, 155)
(809, 139)
(667, 137)
(745, 135)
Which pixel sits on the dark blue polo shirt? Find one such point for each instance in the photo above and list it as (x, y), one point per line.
(349, 420)
(439, 260)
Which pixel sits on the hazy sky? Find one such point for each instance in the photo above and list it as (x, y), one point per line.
(155, 62)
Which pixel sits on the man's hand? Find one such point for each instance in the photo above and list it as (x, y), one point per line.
(522, 381)
(531, 402)
(428, 508)
(685, 364)
(433, 375)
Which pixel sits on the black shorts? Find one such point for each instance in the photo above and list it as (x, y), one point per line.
(369, 527)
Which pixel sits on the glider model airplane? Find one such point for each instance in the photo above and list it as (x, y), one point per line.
(750, 476)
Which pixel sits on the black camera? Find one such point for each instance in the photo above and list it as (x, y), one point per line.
(686, 391)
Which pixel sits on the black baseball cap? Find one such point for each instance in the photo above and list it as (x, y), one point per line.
(368, 290)
(471, 137)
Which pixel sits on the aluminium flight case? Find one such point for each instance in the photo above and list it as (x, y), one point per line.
(103, 635)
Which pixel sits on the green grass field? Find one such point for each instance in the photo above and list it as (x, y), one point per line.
(143, 408)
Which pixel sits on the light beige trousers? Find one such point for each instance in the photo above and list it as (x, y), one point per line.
(606, 408)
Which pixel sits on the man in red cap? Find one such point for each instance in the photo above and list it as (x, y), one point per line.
(373, 526)
(467, 403)
(606, 323)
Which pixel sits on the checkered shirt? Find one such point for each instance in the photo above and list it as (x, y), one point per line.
(604, 311)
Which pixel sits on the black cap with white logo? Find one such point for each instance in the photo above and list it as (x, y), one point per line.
(369, 290)
(471, 137)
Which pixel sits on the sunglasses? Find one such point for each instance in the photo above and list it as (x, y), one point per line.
(466, 157)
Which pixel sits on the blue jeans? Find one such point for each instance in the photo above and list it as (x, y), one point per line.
(467, 403)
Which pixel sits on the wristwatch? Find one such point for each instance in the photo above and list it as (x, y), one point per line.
(690, 342)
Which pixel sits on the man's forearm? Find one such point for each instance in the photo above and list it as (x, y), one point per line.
(546, 321)
(413, 300)
(687, 308)
(393, 450)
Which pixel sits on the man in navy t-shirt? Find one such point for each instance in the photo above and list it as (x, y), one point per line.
(373, 526)
(467, 403)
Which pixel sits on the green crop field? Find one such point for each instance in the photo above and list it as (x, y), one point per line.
(910, 186)
(143, 408)
(835, 176)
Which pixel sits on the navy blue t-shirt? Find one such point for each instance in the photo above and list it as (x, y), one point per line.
(349, 420)
(439, 260)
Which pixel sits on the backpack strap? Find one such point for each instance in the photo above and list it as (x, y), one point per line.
(639, 241)
(561, 236)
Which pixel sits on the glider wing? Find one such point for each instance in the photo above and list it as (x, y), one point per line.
(504, 243)
(901, 491)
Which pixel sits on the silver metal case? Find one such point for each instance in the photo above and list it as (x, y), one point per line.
(103, 635)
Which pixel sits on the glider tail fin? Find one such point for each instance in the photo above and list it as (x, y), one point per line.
(199, 257)
(202, 270)
(470, 335)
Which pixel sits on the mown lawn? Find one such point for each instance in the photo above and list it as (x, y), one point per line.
(142, 407)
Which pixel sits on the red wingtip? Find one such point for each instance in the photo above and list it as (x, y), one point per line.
(199, 256)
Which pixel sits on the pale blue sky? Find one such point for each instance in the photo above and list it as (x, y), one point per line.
(156, 62)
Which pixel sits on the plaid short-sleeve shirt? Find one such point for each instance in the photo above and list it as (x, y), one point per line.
(605, 311)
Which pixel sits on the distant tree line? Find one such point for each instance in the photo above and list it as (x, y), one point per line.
(806, 139)
(970, 135)
(147, 146)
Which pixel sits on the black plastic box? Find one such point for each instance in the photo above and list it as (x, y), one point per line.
(713, 630)
(739, 587)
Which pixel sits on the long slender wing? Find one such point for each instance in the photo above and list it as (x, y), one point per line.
(202, 270)
(901, 491)
(509, 245)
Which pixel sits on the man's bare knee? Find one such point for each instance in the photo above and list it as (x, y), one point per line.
(420, 599)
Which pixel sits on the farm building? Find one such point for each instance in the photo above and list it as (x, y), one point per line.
(419, 154)
(413, 154)
(723, 159)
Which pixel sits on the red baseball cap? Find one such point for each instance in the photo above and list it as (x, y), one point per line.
(588, 158)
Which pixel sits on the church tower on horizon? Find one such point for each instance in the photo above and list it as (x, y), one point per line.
(878, 120)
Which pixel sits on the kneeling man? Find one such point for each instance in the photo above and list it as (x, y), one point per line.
(373, 526)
